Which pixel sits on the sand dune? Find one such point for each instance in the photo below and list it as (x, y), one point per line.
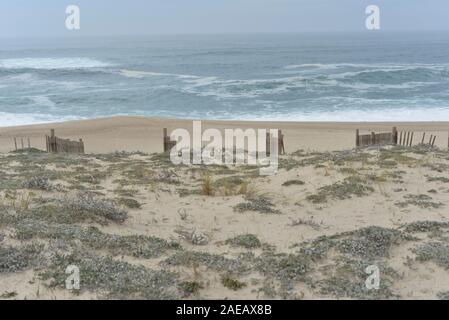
(207, 232)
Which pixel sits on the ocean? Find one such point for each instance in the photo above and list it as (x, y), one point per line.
(370, 76)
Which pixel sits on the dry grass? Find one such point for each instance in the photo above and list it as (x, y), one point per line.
(206, 185)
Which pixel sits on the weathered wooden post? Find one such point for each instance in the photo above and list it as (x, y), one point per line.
(53, 147)
(423, 137)
(357, 139)
(433, 142)
(408, 138)
(281, 142)
(165, 132)
(15, 143)
(394, 136)
(373, 138)
(81, 146)
(411, 139)
(268, 144)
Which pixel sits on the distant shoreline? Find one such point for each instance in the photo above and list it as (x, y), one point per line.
(138, 133)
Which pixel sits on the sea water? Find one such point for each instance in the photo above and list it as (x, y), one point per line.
(369, 76)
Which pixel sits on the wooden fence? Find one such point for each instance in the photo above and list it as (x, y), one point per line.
(58, 145)
(281, 147)
(406, 139)
(22, 143)
(402, 138)
(168, 144)
(363, 140)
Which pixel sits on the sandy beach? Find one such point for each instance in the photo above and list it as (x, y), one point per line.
(223, 232)
(145, 134)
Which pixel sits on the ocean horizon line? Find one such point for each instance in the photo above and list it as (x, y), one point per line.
(68, 35)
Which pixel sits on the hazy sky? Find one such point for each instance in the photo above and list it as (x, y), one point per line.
(31, 18)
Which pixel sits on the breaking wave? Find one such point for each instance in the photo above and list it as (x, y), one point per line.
(52, 63)
(16, 119)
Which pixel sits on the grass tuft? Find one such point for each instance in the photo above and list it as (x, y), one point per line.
(231, 283)
(248, 241)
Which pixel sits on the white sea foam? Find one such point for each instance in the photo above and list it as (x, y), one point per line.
(33, 80)
(312, 65)
(17, 119)
(19, 77)
(366, 65)
(270, 114)
(305, 79)
(143, 74)
(356, 115)
(375, 86)
(42, 101)
(253, 88)
(52, 63)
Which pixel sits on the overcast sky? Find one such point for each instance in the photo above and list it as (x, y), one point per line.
(30, 18)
